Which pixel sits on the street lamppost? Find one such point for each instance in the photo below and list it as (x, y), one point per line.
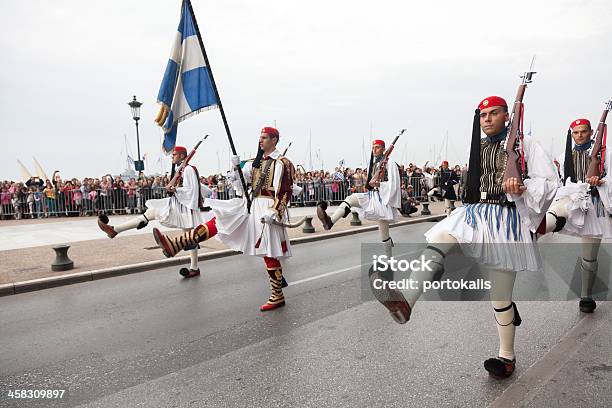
(135, 106)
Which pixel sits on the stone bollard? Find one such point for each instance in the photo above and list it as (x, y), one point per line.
(425, 210)
(61, 262)
(355, 221)
(308, 228)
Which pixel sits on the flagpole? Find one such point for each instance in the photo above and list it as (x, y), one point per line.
(214, 85)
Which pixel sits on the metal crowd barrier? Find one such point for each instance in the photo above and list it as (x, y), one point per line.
(75, 202)
(421, 185)
(124, 201)
(313, 192)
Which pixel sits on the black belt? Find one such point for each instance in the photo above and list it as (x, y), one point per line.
(500, 199)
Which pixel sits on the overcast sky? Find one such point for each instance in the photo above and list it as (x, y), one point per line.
(333, 69)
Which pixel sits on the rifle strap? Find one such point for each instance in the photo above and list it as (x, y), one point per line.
(604, 141)
(522, 141)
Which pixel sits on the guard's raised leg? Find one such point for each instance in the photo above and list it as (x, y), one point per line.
(189, 239)
(343, 210)
(138, 222)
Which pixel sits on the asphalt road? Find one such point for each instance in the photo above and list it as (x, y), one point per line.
(153, 340)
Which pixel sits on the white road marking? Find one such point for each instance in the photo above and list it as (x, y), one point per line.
(324, 275)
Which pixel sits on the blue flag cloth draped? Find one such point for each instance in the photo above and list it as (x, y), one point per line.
(186, 88)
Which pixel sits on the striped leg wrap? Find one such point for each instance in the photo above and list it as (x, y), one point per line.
(189, 239)
(276, 278)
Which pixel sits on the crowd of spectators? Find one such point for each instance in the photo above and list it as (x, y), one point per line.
(55, 197)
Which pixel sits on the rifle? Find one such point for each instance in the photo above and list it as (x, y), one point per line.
(596, 167)
(179, 172)
(383, 163)
(515, 165)
(287, 148)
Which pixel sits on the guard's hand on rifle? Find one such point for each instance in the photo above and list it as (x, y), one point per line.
(266, 219)
(374, 183)
(235, 160)
(595, 181)
(514, 186)
(171, 189)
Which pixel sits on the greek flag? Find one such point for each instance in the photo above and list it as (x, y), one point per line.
(186, 88)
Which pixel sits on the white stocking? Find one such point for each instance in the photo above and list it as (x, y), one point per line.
(590, 249)
(135, 222)
(558, 208)
(443, 243)
(502, 283)
(350, 201)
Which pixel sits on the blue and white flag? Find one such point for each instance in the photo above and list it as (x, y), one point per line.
(186, 88)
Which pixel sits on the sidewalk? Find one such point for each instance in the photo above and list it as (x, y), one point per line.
(26, 249)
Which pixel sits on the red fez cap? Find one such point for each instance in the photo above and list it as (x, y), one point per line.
(271, 131)
(180, 149)
(378, 142)
(492, 101)
(445, 163)
(580, 122)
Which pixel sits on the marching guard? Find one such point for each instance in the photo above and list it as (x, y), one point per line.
(181, 210)
(448, 179)
(258, 231)
(380, 203)
(494, 226)
(582, 206)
